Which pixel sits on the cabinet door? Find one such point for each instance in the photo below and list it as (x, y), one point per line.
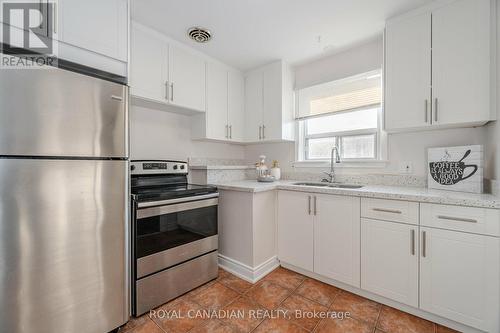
(217, 101)
(337, 237)
(389, 260)
(408, 73)
(148, 66)
(273, 95)
(459, 274)
(187, 79)
(461, 57)
(295, 229)
(236, 106)
(253, 105)
(95, 25)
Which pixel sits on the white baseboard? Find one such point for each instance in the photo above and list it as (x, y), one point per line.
(247, 273)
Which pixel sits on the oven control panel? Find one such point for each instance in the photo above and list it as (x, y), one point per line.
(158, 167)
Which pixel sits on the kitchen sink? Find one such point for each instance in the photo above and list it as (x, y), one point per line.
(333, 185)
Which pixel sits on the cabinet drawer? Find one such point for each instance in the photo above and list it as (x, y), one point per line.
(469, 219)
(390, 210)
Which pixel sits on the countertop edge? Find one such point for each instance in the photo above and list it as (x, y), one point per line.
(446, 199)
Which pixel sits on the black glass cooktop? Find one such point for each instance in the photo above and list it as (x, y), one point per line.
(156, 193)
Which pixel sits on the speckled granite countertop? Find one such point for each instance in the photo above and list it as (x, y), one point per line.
(418, 194)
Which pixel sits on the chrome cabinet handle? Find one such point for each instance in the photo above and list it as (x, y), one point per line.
(260, 132)
(263, 132)
(230, 131)
(412, 242)
(383, 210)
(227, 135)
(424, 244)
(459, 219)
(172, 91)
(117, 98)
(426, 111)
(167, 95)
(315, 206)
(436, 109)
(309, 204)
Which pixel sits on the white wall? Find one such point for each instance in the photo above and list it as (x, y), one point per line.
(403, 147)
(158, 134)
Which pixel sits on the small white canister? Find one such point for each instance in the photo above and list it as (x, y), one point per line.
(275, 170)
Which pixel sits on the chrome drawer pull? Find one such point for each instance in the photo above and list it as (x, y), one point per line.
(412, 243)
(393, 211)
(459, 219)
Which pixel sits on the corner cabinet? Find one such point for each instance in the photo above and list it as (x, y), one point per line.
(320, 233)
(224, 117)
(164, 73)
(431, 79)
(269, 114)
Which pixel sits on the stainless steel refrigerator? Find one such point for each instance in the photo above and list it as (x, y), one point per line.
(63, 202)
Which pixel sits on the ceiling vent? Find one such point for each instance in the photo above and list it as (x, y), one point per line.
(199, 35)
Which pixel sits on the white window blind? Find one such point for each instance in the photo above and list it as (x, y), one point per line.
(349, 94)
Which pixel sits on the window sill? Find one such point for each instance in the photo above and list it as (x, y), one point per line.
(346, 164)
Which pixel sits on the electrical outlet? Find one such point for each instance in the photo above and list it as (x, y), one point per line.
(405, 167)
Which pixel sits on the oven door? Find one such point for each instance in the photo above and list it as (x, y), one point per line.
(176, 231)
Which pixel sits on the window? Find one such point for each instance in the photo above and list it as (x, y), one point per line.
(343, 114)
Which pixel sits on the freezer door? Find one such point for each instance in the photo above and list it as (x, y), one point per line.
(63, 248)
(54, 112)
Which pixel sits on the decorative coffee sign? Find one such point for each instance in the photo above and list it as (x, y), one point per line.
(456, 168)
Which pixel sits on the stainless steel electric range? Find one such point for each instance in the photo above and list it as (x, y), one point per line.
(174, 236)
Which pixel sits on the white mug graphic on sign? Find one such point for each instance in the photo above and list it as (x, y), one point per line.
(456, 168)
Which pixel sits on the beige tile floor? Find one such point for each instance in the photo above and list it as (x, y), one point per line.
(283, 294)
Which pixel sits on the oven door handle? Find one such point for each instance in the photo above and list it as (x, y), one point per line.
(175, 208)
(178, 200)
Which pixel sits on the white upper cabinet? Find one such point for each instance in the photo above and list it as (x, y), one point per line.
(92, 33)
(217, 102)
(439, 67)
(408, 87)
(224, 118)
(149, 66)
(236, 106)
(165, 74)
(269, 103)
(95, 25)
(186, 78)
(461, 63)
(254, 105)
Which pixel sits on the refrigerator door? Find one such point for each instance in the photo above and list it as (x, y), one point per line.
(63, 251)
(55, 112)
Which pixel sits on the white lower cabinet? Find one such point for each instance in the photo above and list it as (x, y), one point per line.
(295, 229)
(389, 260)
(336, 238)
(320, 233)
(459, 277)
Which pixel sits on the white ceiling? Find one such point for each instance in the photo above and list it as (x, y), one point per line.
(250, 33)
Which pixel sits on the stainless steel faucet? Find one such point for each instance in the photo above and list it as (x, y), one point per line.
(334, 158)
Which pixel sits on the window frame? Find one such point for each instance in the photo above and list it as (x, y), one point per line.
(338, 135)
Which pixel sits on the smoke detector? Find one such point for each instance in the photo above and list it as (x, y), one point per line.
(199, 35)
